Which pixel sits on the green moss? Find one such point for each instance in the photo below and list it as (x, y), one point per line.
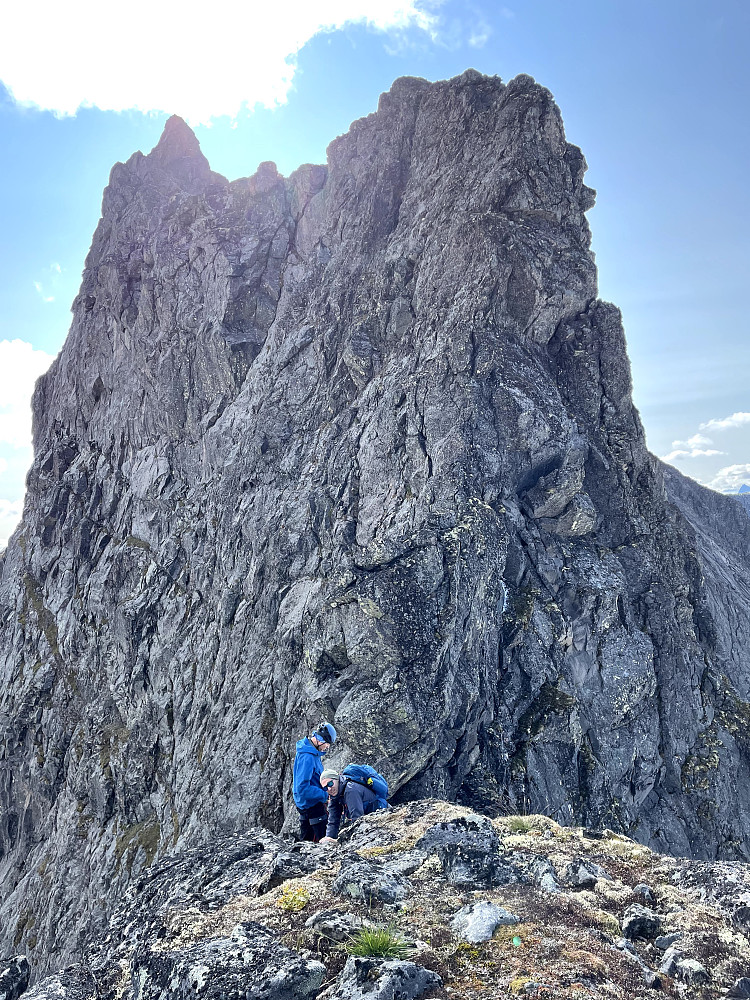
(702, 762)
(549, 701)
(466, 951)
(26, 921)
(377, 852)
(521, 607)
(137, 543)
(734, 715)
(44, 616)
(139, 836)
(293, 897)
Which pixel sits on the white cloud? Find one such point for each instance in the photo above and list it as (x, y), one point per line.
(40, 288)
(64, 56)
(729, 479)
(693, 442)
(691, 453)
(726, 423)
(480, 30)
(20, 367)
(480, 35)
(10, 515)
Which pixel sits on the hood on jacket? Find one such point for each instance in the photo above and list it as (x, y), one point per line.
(305, 746)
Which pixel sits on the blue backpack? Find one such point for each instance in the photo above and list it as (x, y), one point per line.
(365, 775)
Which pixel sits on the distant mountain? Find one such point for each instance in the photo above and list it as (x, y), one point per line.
(744, 488)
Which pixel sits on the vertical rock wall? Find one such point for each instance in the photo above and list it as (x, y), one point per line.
(358, 444)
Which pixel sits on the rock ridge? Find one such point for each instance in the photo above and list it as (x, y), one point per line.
(566, 910)
(357, 443)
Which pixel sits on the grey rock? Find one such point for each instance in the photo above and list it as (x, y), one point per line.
(302, 859)
(368, 881)
(251, 964)
(629, 951)
(403, 862)
(644, 894)
(74, 983)
(691, 971)
(539, 869)
(652, 979)
(361, 441)
(380, 979)
(14, 977)
(740, 989)
(671, 960)
(468, 849)
(479, 921)
(665, 941)
(583, 874)
(466, 831)
(640, 922)
(336, 924)
(624, 944)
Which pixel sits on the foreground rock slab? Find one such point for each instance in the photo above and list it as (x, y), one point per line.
(380, 979)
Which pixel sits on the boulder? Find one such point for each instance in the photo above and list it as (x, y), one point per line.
(478, 921)
(740, 990)
(14, 977)
(640, 922)
(251, 964)
(338, 925)
(583, 874)
(368, 881)
(381, 979)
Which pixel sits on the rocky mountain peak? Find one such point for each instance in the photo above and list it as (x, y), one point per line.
(177, 139)
(357, 444)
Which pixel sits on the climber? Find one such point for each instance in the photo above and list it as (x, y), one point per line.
(347, 799)
(309, 797)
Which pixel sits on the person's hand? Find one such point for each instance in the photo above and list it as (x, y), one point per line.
(328, 840)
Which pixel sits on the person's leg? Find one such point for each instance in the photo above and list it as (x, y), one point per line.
(305, 830)
(318, 826)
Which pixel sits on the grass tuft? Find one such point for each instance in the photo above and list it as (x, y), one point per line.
(382, 942)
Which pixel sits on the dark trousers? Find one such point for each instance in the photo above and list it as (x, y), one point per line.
(312, 823)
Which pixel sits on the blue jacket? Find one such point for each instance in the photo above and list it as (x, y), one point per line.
(353, 801)
(308, 767)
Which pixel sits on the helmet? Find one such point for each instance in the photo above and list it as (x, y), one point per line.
(326, 732)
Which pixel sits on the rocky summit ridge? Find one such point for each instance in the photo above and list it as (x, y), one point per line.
(358, 444)
(428, 900)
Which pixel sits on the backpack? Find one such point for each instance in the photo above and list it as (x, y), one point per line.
(363, 774)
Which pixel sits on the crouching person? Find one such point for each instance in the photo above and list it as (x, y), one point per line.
(351, 797)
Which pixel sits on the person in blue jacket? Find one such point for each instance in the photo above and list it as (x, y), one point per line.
(309, 798)
(347, 799)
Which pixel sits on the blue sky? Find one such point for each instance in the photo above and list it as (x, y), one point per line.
(655, 93)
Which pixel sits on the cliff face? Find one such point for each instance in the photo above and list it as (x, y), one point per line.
(358, 444)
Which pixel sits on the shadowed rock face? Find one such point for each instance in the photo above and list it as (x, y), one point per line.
(358, 444)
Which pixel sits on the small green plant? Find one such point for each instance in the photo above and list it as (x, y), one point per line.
(517, 824)
(383, 942)
(293, 897)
